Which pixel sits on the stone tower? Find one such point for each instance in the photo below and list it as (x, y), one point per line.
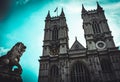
(55, 46)
(56, 35)
(98, 62)
(96, 29)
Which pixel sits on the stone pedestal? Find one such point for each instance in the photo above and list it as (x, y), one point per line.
(10, 77)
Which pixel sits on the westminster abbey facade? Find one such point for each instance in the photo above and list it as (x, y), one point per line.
(99, 61)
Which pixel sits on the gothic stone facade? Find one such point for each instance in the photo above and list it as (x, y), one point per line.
(98, 62)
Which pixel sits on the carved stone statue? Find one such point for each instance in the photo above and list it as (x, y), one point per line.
(11, 60)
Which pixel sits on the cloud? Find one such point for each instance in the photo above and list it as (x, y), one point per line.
(109, 1)
(28, 28)
(22, 2)
(73, 8)
(3, 51)
(112, 12)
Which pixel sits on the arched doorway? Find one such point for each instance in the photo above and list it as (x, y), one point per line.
(107, 71)
(80, 73)
(106, 66)
(54, 74)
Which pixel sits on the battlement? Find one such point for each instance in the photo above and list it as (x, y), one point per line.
(92, 11)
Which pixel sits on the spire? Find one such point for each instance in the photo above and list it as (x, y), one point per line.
(98, 6)
(48, 15)
(62, 13)
(83, 9)
(76, 38)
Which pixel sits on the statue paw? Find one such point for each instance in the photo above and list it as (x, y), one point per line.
(18, 71)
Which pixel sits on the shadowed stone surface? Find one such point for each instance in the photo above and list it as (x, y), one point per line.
(10, 69)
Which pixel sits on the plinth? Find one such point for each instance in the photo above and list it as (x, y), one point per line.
(10, 77)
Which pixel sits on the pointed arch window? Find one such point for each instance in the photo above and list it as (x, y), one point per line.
(96, 27)
(80, 73)
(55, 33)
(106, 65)
(54, 74)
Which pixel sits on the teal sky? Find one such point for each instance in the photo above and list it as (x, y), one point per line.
(26, 24)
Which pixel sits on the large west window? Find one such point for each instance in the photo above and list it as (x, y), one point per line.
(80, 73)
(96, 27)
(54, 74)
(55, 33)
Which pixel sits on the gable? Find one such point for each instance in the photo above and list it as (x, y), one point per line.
(77, 46)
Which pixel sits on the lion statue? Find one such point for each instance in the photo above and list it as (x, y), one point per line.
(12, 58)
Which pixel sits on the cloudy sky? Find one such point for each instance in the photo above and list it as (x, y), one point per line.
(25, 23)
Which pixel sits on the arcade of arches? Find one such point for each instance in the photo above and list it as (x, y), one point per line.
(78, 73)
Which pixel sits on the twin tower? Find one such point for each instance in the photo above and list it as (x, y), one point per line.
(98, 62)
